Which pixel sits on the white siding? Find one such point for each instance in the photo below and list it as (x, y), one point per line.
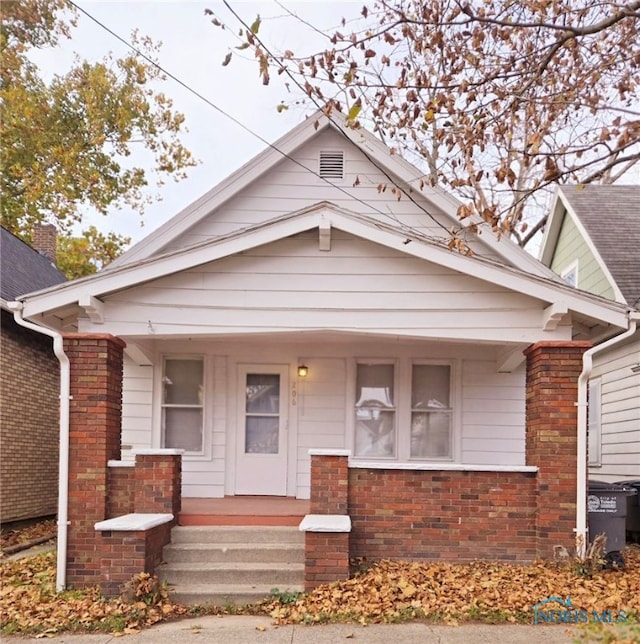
(620, 422)
(493, 415)
(489, 406)
(357, 286)
(289, 187)
(321, 404)
(137, 407)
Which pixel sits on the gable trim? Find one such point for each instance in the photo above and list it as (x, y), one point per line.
(320, 216)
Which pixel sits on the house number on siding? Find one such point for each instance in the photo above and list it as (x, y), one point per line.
(294, 395)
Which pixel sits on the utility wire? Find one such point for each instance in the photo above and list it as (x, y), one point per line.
(247, 129)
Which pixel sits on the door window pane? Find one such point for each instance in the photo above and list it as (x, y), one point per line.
(262, 434)
(375, 418)
(430, 411)
(262, 413)
(263, 393)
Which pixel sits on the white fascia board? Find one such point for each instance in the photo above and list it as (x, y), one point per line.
(223, 191)
(552, 228)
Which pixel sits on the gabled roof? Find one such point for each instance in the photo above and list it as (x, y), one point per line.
(407, 176)
(23, 269)
(321, 216)
(609, 218)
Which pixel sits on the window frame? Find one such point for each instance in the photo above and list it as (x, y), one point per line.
(450, 411)
(202, 406)
(374, 362)
(594, 422)
(571, 269)
(403, 369)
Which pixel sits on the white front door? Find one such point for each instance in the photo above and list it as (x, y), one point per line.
(261, 464)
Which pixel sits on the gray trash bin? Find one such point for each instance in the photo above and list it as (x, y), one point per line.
(633, 510)
(607, 508)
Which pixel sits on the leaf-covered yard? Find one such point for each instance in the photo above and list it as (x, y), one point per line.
(385, 592)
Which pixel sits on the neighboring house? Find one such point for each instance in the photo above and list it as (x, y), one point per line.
(308, 303)
(592, 240)
(29, 384)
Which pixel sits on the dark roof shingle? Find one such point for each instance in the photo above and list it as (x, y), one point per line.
(611, 216)
(22, 269)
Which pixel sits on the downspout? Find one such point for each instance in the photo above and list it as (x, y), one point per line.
(583, 380)
(63, 464)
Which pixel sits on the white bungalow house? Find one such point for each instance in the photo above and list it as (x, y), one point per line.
(310, 302)
(592, 241)
(308, 255)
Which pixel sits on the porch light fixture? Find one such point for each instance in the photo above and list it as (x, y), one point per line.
(303, 370)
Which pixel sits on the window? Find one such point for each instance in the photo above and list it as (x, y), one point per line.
(403, 410)
(430, 411)
(594, 412)
(182, 403)
(570, 274)
(375, 416)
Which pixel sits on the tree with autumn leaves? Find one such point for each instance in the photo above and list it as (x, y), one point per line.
(66, 142)
(497, 101)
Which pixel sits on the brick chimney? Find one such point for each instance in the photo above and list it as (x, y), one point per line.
(45, 240)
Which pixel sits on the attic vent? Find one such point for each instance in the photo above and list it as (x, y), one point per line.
(332, 165)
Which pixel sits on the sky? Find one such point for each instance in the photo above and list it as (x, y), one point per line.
(193, 50)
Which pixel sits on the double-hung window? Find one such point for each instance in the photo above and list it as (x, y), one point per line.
(431, 413)
(403, 411)
(375, 412)
(183, 403)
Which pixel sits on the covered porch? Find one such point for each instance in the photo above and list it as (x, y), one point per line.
(243, 511)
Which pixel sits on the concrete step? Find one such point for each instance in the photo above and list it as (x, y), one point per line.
(237, 534)
(229, 595)
(232, 565)
(233, 552)
(274, 575)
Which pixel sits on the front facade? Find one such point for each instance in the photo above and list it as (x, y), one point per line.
(309, 307)
(591, 241)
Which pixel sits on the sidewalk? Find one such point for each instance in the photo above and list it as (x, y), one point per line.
(248, 629)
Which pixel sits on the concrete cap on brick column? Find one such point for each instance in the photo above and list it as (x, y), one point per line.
(158, 452)
(325, 523)
(329, 452)
(133, 522)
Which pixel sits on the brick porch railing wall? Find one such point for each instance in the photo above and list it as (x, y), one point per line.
(98, 492)
(327, 553)
(551, 438)
(455, 516)
(517, 513)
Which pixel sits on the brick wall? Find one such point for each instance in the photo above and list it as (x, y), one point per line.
(551, 437)
(455, 516)
(94, 439)
(124, 554)
(121, 483)
(29, 423)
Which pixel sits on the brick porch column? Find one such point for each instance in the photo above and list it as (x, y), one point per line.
(94, 438)
(327, 527)
(551, 438)
(158, 481)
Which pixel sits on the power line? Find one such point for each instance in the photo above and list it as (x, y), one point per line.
(247, 129)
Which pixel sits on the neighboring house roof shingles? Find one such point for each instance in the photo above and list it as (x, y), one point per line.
(611, 216)
(22, 269)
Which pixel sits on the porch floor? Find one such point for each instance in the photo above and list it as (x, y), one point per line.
(243, 510)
